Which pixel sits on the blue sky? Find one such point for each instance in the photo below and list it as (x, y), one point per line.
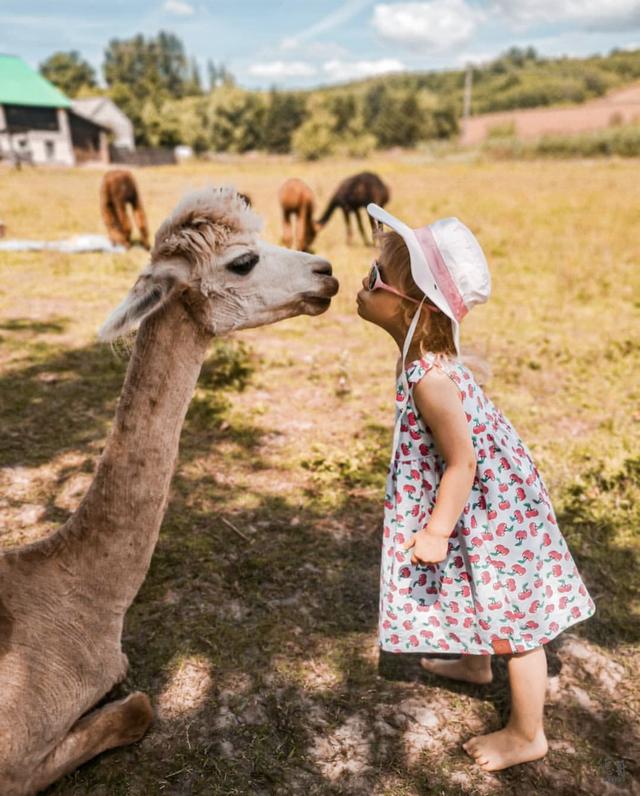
(293, 43)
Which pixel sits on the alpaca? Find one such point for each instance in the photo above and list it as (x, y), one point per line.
(63, 599)
(117, 190)
(352, 194)
(296, 199)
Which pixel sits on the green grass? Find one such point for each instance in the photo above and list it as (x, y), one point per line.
(287, 439)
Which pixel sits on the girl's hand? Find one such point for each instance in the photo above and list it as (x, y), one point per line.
(427, 547)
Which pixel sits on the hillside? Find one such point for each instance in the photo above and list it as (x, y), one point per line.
(518, 79)
(621, 106)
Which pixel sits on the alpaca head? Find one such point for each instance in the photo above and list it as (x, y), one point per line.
(208, 253)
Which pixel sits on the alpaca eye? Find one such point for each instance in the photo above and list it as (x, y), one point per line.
(244, 264)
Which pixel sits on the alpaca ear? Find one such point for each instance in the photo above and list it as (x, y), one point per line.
(151, 290)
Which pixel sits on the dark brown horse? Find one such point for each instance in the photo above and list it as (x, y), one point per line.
(117, 190)
(352, 194)
(296, 200)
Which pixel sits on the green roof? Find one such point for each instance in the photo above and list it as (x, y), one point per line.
(22, 85)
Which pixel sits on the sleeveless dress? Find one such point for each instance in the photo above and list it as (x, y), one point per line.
(508, 582)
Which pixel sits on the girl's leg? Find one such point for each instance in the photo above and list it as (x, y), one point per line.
(523, 738)
(472, 668)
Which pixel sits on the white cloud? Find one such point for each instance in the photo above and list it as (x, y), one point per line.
(349, 70)
(279, 69)
(434, 27)
(178, 7)
(589, 14)
(335, 69)
(331, 21)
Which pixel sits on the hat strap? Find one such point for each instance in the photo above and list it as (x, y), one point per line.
(405, 382)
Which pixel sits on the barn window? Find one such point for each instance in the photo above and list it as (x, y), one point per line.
(21, 118)
(49, 149)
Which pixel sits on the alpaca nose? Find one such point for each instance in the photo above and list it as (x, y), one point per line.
(321, 266)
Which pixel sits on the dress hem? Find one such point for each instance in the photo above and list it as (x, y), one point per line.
(489, 650)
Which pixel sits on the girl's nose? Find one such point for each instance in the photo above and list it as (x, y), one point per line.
(364, 281)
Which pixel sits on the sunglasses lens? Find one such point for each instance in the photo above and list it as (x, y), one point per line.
(373, 274)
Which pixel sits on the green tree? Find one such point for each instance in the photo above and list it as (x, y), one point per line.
(161, 125)
(344, 108)
(69, 72)
(236, 119)
(219, 75)
(405, 115)
(284, 114)
(352, 137)
(155, 67)
(142, 74)
(193, 122)
(193, 86)
(131, 105)
(399, 119)
(316, 137)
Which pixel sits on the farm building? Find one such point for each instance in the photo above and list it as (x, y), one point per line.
(38, 123)
(620, 106)
(104, 111)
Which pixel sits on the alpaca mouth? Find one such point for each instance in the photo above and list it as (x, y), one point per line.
(315, 305)
(318, 302)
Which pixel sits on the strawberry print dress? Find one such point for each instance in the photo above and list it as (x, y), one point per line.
(508, 583)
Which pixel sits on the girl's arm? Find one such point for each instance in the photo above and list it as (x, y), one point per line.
(438, 401)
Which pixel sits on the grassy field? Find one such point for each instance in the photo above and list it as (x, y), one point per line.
(260, 656)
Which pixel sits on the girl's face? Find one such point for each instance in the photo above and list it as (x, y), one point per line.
(380, 306)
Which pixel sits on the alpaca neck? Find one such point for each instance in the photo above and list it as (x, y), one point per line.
(109, 541)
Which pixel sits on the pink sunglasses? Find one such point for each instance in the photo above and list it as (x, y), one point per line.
(375, 283)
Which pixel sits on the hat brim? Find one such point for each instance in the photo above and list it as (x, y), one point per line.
(420, 269)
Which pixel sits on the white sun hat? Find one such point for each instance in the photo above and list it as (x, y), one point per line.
(447, 264)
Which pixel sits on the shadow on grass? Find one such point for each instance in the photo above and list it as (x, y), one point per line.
(261, 614)
(600, 516)
(66, 400)
(34, 327)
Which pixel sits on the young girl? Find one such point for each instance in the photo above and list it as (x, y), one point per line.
(473, 561)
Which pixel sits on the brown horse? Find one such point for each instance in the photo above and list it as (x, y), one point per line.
(352, 194)
(296, 199)
(117, 190)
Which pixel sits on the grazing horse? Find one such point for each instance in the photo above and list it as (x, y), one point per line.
(117, 190)
(296, 199)
(352, 194)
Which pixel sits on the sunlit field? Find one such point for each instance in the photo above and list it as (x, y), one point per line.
(255, 631)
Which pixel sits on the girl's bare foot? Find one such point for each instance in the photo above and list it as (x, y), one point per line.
(471, 668)
(505, 748)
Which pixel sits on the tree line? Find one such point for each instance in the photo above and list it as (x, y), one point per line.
(161, 90)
